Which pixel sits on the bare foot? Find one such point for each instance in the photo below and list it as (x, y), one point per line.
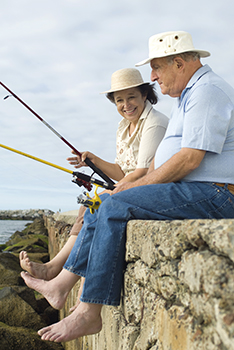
(75, 306)
(85, 320)
(49, 289)
(35, 269)
(79, 295)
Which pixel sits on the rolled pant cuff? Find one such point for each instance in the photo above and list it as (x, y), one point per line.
(102, 302)
(81, 274)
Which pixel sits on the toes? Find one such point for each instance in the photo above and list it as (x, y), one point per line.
(27, 260)
(48, 334)
(22, 273)
(43, 330)
(25, 274)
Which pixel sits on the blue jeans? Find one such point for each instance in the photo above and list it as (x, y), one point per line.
(99, 251)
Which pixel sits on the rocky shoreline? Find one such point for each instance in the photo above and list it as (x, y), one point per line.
(25, 214)
(22, 311)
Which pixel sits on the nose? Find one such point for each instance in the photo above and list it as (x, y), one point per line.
(126, 103)
(153, 76)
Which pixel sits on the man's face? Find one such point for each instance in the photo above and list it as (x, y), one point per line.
(167, 76)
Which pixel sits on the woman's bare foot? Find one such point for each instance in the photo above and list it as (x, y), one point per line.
(35, 269)
(85, 320)
(52, 268)
(56, 290)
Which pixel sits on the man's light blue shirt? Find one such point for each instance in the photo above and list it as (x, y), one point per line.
(203, 118)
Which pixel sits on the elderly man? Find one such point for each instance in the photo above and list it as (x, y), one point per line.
(193, 178)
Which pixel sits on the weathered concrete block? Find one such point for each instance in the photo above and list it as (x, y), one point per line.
(178, 291)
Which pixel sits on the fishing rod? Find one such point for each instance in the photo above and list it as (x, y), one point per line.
(87, 160)
(78, 178)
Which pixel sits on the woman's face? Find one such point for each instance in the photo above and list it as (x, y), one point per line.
(130, 103)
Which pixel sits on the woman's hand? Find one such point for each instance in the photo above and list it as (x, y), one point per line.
(78, 161)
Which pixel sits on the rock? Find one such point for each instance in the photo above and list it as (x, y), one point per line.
(26, 214)
(31, 243)
(16, 312)
(35, 228)
(10, 270)
(21, 314)
(17, 338)
(33, 239)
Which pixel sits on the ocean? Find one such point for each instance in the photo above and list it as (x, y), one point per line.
(8, 227)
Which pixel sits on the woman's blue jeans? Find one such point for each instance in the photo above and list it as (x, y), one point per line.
(99, 251)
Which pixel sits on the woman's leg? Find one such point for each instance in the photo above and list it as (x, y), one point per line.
(56, 290)
(50, 269)
(53, 267)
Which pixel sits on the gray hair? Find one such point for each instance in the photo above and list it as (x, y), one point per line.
(186, 56)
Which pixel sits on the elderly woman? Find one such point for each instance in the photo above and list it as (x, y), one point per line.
(138, 136)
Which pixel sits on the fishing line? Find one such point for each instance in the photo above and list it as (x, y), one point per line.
(29, 175)
(87, 160)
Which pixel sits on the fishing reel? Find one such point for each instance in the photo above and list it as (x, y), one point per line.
(89, 202)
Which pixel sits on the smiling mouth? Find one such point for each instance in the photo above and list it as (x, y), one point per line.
(130, 111)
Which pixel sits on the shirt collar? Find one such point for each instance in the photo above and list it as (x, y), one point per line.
(196, 76)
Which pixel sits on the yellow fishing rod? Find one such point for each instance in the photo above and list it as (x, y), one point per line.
(78, 178)
(37, 159)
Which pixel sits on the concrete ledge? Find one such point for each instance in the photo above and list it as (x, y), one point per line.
(67, 216)
(178, 291)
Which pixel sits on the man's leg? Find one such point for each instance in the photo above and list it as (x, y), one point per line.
(151, 202)
(106, 252)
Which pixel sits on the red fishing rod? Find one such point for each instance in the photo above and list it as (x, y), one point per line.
(87, 160)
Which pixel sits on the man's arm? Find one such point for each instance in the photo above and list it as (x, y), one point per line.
(175, 169)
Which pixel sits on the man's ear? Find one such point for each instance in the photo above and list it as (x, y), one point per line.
(179, 62)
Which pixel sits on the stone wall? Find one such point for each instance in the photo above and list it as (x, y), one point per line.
(178, 290)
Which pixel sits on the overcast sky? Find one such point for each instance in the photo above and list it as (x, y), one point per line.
(58, 55)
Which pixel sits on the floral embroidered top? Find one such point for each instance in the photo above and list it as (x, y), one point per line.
(138, 150)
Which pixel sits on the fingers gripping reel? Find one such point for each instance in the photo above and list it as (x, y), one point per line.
(89, 202)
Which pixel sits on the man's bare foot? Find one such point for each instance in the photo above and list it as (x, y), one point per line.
(37, 270)
(52, 290)
(75, 306)
(85, 320)
(79, 295)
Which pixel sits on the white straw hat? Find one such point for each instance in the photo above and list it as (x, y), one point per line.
(125, 79)
(170, 43)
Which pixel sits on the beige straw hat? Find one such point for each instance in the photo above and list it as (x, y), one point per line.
(125, 79)
(170, 43)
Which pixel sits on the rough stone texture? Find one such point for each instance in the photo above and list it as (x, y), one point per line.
(178, 291)
(22, 311)
(26, 214)
(17, 338)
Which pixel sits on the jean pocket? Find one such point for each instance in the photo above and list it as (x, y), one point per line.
(224, 210)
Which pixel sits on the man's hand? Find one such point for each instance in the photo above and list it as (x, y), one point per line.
(122, 187)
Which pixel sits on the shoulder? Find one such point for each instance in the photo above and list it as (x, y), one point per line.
(212, 87)
(157, 118)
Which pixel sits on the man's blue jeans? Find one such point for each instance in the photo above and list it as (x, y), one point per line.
(99, 251)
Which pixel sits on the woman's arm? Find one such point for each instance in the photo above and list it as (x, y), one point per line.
(112, 170)
(135, 175)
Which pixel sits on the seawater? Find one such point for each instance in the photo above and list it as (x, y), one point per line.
(8, 227)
